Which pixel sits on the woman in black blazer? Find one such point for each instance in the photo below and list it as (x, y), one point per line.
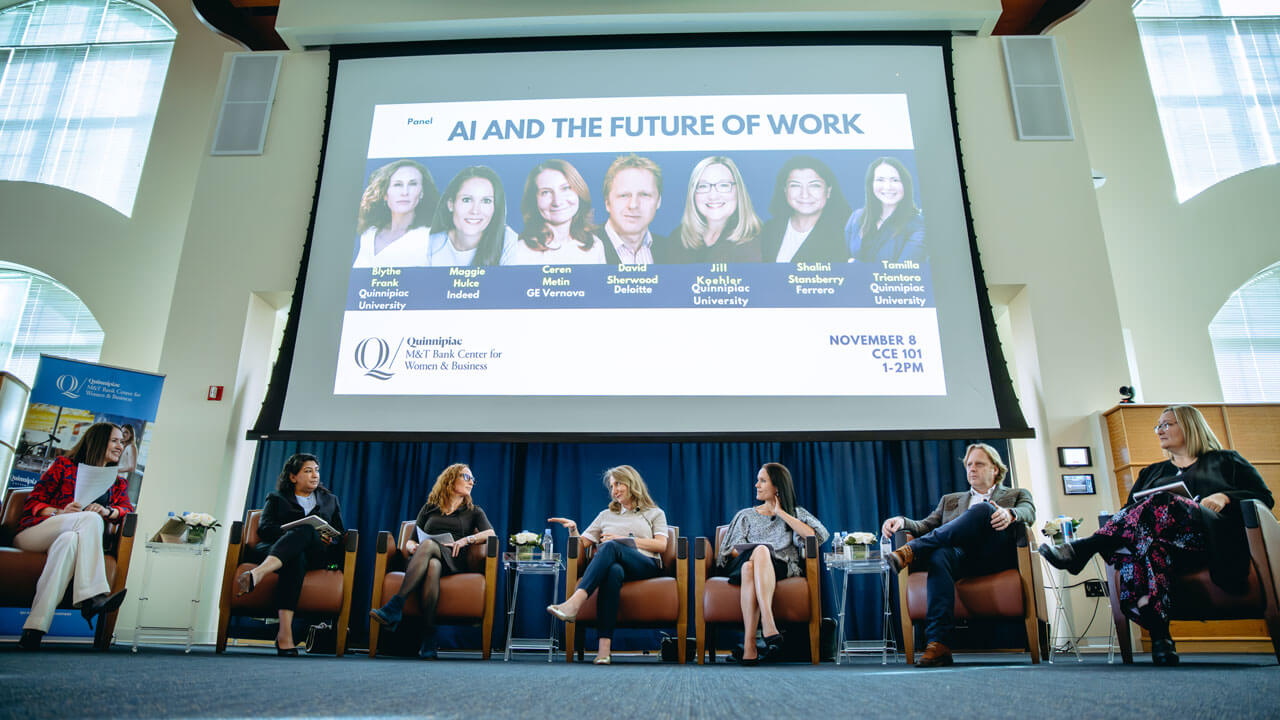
(809, 210)
(291, 553)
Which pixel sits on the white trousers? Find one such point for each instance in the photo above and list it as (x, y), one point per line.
(73, 542)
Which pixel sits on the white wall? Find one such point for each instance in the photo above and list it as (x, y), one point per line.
(123, 268)
(1172, 265)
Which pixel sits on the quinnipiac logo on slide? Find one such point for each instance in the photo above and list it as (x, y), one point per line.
(68, 385)
(374, 356)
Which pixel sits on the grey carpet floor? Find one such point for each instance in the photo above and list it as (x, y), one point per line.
(163, 683)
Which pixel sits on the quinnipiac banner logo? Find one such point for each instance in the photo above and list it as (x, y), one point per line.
(68, 385)
(373, 355)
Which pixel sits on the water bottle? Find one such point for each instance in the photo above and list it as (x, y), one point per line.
(837, 542)
(546, 544)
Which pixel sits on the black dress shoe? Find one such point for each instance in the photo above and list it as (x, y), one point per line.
(1163, 652)
(30, 640)
(286, 652)
(1064, 557)
(772, 648)
(100, 605)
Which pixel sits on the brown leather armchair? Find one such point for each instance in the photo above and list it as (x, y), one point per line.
(655, 602)
(1017, 593)
(796, 600)
(21, 569)
(325, 593)
(1196, 597)
(465, 598)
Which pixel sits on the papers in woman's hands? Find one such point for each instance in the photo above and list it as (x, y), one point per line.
(322, 527)
(444, 539)
(1177, 488)
(92, 482)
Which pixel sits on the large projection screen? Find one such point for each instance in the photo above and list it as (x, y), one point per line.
(544, 328)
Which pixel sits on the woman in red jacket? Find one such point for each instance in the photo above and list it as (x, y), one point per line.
(54, 523)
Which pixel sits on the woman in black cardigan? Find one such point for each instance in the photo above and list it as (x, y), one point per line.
(291, 553)
(808, 215)
(1166, 533)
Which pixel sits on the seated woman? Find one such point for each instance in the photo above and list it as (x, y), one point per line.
(470, 223)
(719, 223)
(808, 211)
(71, 535)
(776, 555)
(392, 231)
(632, 533)
(1166, 533)
(889, 226)
(556, 207)
(291, 553)
(448, 510)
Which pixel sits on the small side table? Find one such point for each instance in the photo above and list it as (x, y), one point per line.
(186, 553)
(873, 564)
(539, 564)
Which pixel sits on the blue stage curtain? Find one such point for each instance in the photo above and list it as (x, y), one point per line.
(700, 485)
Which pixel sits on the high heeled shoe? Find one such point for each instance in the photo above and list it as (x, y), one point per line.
(559, 612)
(772, 648)
(101, 604)
(286, 652)
(429, 649)
(30, 640)
(389, 615)
(245, 583)
(1064, 557)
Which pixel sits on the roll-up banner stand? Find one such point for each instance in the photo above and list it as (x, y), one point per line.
(67, 397)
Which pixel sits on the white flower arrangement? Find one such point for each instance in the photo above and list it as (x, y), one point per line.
(860, 538)
(200, 520)
(525, 538)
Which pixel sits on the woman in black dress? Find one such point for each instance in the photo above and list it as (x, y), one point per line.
(1166, 533)
(291, 553)
(448, 509)
(808, 215)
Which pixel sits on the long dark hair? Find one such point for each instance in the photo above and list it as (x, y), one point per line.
(905, 212)
(490, 248)
(293, 466)
(780, 476)
(91, 448)
(837, 206)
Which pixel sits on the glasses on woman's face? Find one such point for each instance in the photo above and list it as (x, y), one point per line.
(468, 477)
(1165, 426)
(720, 187)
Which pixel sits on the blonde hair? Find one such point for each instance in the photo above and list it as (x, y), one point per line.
(1195, 430)
(744, 224)
(629, 478)
(442, 492)
(993, 455)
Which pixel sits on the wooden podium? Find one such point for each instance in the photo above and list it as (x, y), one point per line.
(1251, 430)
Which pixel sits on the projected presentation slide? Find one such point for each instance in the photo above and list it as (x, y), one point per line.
(769, 245)
(658, 241)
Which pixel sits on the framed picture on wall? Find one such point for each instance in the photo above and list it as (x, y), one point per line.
(1074, 457)
(1081, 484)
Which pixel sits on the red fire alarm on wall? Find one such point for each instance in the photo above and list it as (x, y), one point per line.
(215, 392)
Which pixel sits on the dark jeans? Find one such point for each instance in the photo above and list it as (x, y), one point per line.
(613, 564)
(965, 547)
(300, 549)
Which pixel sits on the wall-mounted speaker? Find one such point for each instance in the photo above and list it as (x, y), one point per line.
(246, 104)
(1035, 84)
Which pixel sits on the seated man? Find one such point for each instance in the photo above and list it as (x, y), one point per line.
(969, 533)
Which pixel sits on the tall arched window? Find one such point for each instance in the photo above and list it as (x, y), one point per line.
(80, 81)
(40, 315)
(1215, 72)
(1246, 340)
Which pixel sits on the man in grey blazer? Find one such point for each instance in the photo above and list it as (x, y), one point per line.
(969, 533)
